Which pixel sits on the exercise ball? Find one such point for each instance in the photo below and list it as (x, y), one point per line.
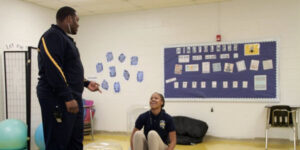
(39, 137)
(13, 134)
(84, 113)
(107, 145)
(84, 109)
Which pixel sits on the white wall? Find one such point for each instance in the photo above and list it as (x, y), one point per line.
(22, 24)
(145, 33)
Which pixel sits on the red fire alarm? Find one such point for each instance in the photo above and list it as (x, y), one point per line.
(218, 38)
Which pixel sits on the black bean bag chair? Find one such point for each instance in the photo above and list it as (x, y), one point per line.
(189, 131)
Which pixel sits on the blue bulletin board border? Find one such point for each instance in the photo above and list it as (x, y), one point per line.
(200, 79)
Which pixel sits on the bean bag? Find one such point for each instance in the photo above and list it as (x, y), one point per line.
(189, 131)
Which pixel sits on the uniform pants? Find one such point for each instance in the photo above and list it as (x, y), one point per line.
(67, 135)
(154, 141)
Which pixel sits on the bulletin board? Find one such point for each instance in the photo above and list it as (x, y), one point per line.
(233, 70)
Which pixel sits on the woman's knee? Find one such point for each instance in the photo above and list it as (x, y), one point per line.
(138, 135)
(152, 134)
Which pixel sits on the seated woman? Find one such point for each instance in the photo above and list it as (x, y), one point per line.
(159, 130)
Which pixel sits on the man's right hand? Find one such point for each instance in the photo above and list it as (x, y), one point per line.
(72, 106)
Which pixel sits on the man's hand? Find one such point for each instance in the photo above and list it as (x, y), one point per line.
(72, 106)
(94, 86)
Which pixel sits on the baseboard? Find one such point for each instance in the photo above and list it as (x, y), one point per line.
(258, 139)
(112, 132)
(208, 137)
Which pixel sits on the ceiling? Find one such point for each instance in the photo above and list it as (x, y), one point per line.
(92, 7)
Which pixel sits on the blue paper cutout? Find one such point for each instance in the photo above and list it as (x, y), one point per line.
(112, 71)
(99, 67)
(122, 58)
(126, 75)
(117, 87)
(104, 85)
(140, 76)
(134, 60)
(109, 56)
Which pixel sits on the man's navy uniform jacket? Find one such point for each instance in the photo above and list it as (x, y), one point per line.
(61, 80)
(60, 67)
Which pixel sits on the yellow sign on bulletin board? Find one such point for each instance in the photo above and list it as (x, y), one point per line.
(251, 49)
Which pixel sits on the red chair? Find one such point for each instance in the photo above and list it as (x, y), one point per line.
(88, 106)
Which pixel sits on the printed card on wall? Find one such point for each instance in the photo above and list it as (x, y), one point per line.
(134, 60)
(122, 58)
(109, 56)
(240, 70)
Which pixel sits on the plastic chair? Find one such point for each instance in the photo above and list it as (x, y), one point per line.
(281, 116)
(88, 106)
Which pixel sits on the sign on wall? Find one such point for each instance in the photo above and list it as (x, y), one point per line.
(222, 70)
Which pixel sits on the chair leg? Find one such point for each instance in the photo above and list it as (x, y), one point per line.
(295, 128)
(266, 144)
(92, 121)
(295, 138)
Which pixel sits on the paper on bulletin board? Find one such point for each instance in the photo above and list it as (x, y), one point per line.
(205, 67)
(216, 67)
(268, 64)
(241, 66)
(254, 65)
(228, 67)
(191, 67)
(260, 82)
(178, 69)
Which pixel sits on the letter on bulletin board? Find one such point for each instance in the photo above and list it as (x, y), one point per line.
(241, 70)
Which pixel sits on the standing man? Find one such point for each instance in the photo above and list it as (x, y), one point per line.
(61, 84)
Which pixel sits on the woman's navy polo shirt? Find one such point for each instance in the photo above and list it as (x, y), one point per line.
(162, 124)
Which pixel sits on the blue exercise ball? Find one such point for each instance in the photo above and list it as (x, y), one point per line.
(84, 109)
(84, 113)
(13, 134)
(39, 137)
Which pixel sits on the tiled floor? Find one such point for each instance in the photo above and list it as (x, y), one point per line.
(209, 144)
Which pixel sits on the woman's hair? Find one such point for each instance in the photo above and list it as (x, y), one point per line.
(162, 98)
